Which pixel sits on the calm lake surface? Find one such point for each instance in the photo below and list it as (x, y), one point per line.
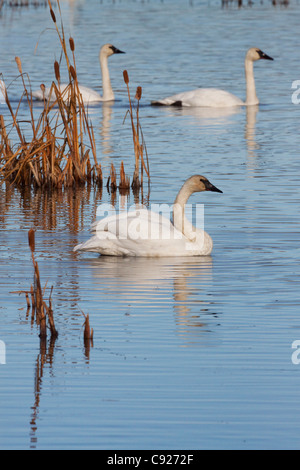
(187, 353)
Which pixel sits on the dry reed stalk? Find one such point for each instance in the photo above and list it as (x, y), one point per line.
(98, 176)
(112, 180)
(88, 336)
(38, 304)
(124, 184)
(88, 331)
(38, 296)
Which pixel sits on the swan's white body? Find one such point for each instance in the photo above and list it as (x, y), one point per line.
(2, 92)
(144, 233)
(89, 96)
(216, 98)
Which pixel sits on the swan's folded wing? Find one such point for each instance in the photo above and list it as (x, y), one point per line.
(136, 233)
(103, 246)
(205, 97)
(140, 224)
(88, 95)
(48, 94)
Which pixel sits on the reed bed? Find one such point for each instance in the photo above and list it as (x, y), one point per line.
(57, 154)
(59, 150)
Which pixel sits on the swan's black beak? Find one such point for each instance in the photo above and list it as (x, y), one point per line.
(212, 188)
(116, 50)
(264, 56)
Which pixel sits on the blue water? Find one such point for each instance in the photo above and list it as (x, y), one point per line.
(187, 354)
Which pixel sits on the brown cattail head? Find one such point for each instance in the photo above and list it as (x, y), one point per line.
(43, 87)
(73, 72)
(138, 95)
(57, 71)
(126, 78)
(72, 44)
(19, 64)
(122, 171)
(31, 240)
(53, 15)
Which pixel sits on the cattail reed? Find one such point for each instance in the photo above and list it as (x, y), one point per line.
(19, 64)
(39, 306)
(138, 94)
(126, 77)
(72, 44)
(57, 71)
(88, 331)
(124, 184)
(31, 240)
(52, 15)
(73, 72)
(139, 148)
(112, 180)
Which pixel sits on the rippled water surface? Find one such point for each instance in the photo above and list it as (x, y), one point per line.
(187, 353)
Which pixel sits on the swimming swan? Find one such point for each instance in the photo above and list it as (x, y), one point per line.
(213, 97)
(89, 95)
(143, 233)
(2, 92)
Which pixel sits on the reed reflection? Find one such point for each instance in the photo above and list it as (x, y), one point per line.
(44, 359)
(49, 210)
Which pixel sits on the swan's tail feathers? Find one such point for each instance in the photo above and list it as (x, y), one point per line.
(167, 102)
(104, 247)
(91, 245)
(38, 94)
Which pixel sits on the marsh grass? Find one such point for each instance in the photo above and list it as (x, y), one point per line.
(140, 149)
(61, 151)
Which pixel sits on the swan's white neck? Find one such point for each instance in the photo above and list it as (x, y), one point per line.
(108, 94)
(180, 221)
(251, 97)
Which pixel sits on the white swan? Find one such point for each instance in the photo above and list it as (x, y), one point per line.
(144, 233)
(213, 97)
(2, 92)
(89, 95)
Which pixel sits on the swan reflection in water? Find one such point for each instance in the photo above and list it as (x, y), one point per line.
(205, 116)
(152, 285)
